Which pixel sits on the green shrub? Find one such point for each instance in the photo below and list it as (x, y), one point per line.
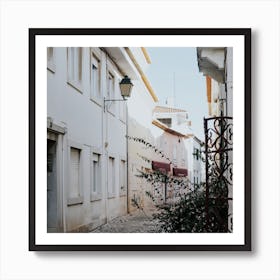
(188, 213)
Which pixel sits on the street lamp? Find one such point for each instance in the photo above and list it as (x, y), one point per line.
(125, 87)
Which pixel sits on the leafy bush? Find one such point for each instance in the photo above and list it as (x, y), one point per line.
(188, 212)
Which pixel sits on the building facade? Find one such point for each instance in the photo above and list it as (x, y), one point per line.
(86, 136)
(165, 128)
(140, 110)
(196, 161)
(217, 66)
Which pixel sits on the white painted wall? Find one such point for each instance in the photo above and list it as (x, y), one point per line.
(180, 123)
(195, 166)
(89, 128)
(229, 80)
(222, 58)
(222, 95)
(140, 107)
(178, 120)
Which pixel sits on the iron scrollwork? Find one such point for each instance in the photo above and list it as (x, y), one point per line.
(218, 167)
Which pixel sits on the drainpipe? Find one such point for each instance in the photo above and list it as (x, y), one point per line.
(105, 140)
(127, 167)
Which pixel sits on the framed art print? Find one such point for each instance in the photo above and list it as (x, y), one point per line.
(140, 139)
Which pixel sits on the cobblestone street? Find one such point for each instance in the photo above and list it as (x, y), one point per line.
(136, 222)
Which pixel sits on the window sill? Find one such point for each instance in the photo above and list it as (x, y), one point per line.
(75, 200)
(97, 100)
(51, 67)
(123, 194)
(111, 112)
(111, 195)
(76, 86)
(95, 197)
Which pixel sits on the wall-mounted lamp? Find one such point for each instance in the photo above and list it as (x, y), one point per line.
(125, 87)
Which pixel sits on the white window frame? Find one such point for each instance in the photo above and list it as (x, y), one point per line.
(73, 70)
(111, 106)
(123, 175)
(95, 195)
(80, 198)
(111, 193)
(95, 60)
(51, 60)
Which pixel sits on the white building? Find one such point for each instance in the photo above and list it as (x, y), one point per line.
(196, 163)
(217, 65)
(165, 128)
(174, 163)
(140, 111)
(176, 126)
(190, 156)
(86, 139)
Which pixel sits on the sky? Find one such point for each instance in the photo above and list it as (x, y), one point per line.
(174, 72)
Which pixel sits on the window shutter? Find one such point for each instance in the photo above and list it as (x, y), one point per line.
(75, 172)
(111, 176)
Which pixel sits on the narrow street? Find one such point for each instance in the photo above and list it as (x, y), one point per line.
(135, 222)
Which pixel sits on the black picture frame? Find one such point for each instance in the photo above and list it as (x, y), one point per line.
(245, 32)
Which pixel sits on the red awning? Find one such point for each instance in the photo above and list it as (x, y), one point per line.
(161, 166)
(180, 172)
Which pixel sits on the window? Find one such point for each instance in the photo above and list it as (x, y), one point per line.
(75, 69)
(75, 172)
(95, 83)
(75, 177)
(111, 92)
(196, 153)
(95, 177)
(111, 177)
(166, 121)
(122, 177)
(50, 58)
(111, 86)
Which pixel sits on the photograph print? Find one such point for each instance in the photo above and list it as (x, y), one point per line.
(142, 147)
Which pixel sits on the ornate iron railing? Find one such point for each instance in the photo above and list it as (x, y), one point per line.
(218, 167)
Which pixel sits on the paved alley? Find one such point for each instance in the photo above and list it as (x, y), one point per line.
(136, 222)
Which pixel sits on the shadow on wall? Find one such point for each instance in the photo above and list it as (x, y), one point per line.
(140, 157)
(137, 153)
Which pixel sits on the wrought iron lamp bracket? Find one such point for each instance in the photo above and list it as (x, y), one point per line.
(112, 100)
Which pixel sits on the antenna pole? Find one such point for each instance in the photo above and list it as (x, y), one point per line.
(174, 89)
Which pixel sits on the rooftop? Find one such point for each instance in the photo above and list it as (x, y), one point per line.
(164, 127)
(163, 109)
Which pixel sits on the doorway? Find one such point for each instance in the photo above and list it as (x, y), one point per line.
(52, 211)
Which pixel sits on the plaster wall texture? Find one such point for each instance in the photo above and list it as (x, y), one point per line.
(89, 128)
